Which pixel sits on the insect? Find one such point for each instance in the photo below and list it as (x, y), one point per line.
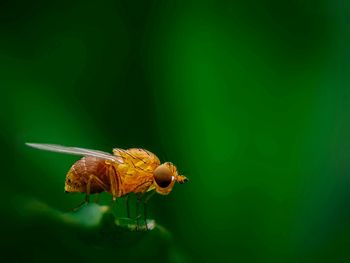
(125, 171)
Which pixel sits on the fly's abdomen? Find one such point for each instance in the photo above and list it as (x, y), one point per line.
(88, 168)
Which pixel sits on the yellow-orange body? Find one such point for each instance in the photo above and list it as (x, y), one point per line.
(125, 171)
(135, 174)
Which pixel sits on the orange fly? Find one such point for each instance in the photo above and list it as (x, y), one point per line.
(125, 171)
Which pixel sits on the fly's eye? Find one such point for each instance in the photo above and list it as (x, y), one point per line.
(163, 176)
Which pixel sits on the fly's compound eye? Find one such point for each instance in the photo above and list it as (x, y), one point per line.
(163, 176)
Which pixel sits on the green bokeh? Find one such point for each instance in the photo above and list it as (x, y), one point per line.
(249, 99)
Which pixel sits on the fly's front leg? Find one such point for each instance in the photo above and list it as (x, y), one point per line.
(145, 207)
(145, 214)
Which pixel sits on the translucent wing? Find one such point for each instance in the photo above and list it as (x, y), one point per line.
(76, 151)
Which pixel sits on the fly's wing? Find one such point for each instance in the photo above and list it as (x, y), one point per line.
(77, 151)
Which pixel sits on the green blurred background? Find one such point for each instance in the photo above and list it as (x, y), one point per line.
(250, 99)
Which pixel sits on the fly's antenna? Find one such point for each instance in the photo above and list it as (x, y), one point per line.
(181, 179)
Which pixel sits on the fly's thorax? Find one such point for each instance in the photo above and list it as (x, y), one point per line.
(138, 158)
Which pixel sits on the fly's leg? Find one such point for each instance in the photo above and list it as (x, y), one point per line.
(97, 198)
(112, 174)
(145, 214)
(145, 207)
(78, 206)
(127, 204)
(139, 197)
(88, 190)
(114, 203)
(114, 185)
(88, 186)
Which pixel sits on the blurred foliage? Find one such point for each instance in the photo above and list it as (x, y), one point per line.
(91, 233)
(250, 99)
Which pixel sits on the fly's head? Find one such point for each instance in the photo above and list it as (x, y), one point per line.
(165, 176)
